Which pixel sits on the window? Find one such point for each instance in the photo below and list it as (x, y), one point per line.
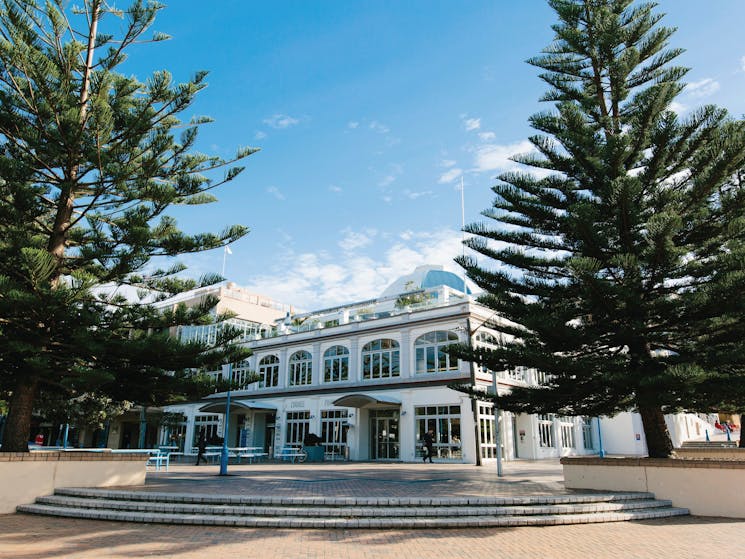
(445, 422)
(298, 425)
(566, 428)
(545, 431)
(487, 340)
(334, 433)
(336, 364)
(587, 433)
(380, 359)
(301, 368)
(241, 373)
(206, 423)
(487, 430)
(269, 371)
(430, 352)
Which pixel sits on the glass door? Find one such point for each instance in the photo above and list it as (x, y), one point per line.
(384, 435)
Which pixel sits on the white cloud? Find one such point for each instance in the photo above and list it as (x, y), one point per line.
(447, 163)
(353, 240)
(450, 175)
(742, 63)
(336, 189)
(472, 124)
(493, 157)
(276, 192)
(318, 280)
(353, 124)
(487, 136)
(376, 126)
(393, 171)
(260, 135)
(702, 88)
(280, 121)
(678, 108)
(387, 181)
(414, 195)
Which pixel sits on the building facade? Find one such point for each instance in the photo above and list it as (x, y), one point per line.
(371, 378)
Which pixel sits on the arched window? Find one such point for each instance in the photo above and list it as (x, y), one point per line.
(336, 364)
(380, 359)
(485, 339)
(269, 371)
(430, 352)
(301, 368)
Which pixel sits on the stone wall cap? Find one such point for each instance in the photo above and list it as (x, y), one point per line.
(79, 456)
(672, 462)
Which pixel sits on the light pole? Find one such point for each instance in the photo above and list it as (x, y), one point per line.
(224, 454)
(601, 452)
(497, 431)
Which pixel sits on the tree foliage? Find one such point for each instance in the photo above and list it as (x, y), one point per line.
(616, 259)
(91, 162)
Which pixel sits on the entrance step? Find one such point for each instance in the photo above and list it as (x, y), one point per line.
(364, 512)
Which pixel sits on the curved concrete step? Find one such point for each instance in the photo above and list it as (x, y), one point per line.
(349, 511)
(385, 522)
(205, 498)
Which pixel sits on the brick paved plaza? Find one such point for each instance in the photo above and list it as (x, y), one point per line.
(25, 536)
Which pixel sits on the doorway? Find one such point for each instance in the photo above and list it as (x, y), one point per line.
(384, 435)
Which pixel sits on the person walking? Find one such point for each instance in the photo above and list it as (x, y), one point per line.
(429, 441)
(201, 447)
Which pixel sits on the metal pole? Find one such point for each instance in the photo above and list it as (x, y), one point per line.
(497, 430)
(64, 440)
(601, 452)
(224, 454)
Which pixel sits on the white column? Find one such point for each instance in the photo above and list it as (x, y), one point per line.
(317, 361)
(354, 360)
(283, 368)
(405, 355)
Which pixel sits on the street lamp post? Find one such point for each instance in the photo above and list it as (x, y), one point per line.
(224, 454)
(497, 430)
(601, 452)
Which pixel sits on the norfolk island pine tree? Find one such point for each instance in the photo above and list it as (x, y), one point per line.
(603, 262)
(90, 164)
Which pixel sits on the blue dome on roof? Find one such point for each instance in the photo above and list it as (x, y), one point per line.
(425, 277)
(435, 278)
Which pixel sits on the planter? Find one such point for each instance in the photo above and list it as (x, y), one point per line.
(707, 487)
(26, 476)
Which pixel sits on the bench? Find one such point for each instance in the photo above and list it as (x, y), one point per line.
(292, 454)
(159, 459)
(252, 456)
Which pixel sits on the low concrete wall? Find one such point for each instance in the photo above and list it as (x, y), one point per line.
(25, 476)
(713, 453)
(705, 487)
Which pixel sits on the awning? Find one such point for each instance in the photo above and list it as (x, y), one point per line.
(366, 401)
(236, 405)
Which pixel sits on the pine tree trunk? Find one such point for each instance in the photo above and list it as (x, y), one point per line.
(659, 444)
(18, 424)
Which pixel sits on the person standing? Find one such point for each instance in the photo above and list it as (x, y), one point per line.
(429, 441)
(201, 447)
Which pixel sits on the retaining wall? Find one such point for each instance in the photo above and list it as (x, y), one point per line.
(707, 487)
(25, 476)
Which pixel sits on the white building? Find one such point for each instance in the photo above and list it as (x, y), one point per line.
(370, 378)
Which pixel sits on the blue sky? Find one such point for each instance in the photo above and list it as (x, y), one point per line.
(368, 113)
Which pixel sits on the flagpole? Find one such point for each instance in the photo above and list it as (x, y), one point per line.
(224, 259)
(463, 228)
